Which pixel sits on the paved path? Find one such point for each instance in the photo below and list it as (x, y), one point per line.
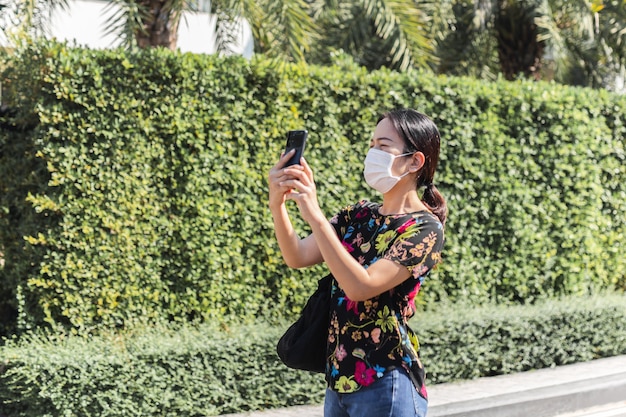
(588, 389)
(608, 410)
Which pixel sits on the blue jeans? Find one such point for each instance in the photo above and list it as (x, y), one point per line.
(393, 395)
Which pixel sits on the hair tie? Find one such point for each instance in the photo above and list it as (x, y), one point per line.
(430, 185)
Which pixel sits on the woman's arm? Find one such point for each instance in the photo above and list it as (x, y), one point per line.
(358, 283)
(297, 253)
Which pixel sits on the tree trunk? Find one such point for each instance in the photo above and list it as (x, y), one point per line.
(160, 26)
(519, 50)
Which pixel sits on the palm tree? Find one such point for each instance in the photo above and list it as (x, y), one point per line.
(520, 47)
(154, 23)
(518, 38)
(394, 33)
(603, 52)
(146, 23)
(504, 32)
(584, 41)
(279, 24)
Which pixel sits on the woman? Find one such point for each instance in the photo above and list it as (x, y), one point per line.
(379, 255)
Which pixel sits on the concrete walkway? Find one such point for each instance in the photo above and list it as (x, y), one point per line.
(565, 390)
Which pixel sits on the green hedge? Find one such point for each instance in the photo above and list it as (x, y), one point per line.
(208, 370)
(133, 184)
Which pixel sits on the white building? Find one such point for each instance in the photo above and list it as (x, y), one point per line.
(83, 22)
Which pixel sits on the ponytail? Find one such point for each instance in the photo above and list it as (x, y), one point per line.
(435, 202)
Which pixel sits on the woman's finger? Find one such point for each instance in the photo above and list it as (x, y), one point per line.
(291, 183)
(284, 157)
(307, 169)
(299, 182)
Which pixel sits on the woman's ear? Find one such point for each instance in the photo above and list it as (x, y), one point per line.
(417, 162)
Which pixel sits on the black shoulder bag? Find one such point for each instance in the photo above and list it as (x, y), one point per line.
(303, 346)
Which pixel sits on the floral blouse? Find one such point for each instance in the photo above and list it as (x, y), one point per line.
(365, 338)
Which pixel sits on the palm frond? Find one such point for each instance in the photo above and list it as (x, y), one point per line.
(611, 26)
(281, 28)
(317, 8)
(290, 28)
(32, 17)
(465, 39)
(406, 24)
(124, 20)
(582, 39)
(227, 25)
(416, 25)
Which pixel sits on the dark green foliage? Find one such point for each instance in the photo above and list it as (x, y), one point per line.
(133, 184)
(460, 342)
(206, 370)
(189, 372)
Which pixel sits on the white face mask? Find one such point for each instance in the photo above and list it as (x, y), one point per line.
(377, 170)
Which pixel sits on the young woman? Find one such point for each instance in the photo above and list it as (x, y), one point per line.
(379, 255)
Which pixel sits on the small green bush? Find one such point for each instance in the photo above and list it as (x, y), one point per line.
(460, 342)
(133, 187)
(207, 370)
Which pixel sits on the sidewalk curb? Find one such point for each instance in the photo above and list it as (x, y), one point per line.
(540, 393)
(546, 392)
(540, 402)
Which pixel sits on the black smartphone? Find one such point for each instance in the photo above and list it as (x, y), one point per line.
(296, 139)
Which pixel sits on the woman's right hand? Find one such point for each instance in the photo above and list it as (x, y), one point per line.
(297, 253)
(278, 193)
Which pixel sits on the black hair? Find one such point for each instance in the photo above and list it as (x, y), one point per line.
(420, 134)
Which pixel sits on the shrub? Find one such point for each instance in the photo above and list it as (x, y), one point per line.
(134, 183)
(208, 370)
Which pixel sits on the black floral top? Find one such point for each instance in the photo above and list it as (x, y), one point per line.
(365, 338)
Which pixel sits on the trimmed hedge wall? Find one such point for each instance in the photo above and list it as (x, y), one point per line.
(209, 370)
(133, 184)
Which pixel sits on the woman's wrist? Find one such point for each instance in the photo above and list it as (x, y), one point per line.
(318, 222)
(276, 206)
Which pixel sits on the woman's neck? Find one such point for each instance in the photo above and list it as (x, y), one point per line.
(401, 203)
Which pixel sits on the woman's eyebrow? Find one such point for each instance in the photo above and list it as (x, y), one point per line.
(383, 138)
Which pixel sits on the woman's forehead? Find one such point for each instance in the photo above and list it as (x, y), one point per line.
(385, 131)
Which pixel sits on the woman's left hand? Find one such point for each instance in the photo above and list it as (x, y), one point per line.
(304, 192)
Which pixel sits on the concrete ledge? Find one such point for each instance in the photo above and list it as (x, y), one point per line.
(545, 393)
